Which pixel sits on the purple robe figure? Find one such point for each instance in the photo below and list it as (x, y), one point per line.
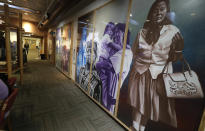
(108, 65)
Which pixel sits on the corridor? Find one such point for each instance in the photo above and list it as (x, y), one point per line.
(48, 101)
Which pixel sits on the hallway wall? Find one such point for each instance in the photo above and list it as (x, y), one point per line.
(90, 25)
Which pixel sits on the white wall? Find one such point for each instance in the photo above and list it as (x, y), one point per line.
(13, 36)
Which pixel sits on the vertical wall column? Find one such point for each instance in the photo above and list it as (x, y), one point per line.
(42, 46)
(123, 55)
(46, 44)
(202, 124)
(8, 52)
(19, 34)
(7, 37)
(6, 14)
(75, 36)
(91, 65)
(53, 50)
(71, 51)
(18, 47)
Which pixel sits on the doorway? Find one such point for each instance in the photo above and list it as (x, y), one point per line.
(32, 47)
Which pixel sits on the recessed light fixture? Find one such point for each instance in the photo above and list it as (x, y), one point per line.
(38, 12)
(25, 13)
(130, 15)
(193, 14)
(10, 1)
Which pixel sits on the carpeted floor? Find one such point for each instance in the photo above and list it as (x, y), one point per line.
(48, 101)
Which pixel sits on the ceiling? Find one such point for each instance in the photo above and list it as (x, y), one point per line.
(44, 12)
(62, 9)
(32, 10)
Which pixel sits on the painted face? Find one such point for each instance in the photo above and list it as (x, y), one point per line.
(118, 38)
(109, 31)
(159, 12)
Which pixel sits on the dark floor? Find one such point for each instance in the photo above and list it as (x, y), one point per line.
(48, 101)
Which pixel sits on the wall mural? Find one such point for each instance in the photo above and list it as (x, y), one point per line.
(81, 57)
(85, 31)
(159, 48)
(63, 43)
(162, 81)
(107, 54)
(108, 65)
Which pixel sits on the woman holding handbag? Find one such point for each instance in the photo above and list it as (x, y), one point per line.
(157, 43)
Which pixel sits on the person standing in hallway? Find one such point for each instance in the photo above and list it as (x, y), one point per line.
(26, 46)
(158, 43)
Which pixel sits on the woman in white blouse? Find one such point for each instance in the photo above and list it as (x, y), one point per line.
(157, 43)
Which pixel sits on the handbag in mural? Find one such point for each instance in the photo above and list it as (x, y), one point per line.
(183, 84)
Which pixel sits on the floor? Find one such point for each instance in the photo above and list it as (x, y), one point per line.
(48, 101)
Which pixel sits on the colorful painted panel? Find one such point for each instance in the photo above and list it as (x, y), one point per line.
(63, 44)
(107, 53)
(85, 37)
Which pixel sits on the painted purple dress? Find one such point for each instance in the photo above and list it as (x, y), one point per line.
(4, 92)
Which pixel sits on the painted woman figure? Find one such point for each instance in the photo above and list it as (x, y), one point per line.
(157, 43)
(108, 66)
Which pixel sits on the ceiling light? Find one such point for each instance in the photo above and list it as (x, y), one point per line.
(27, 27)
(10, 1)
(25, 13)
(193, 14)
(130, 15)
(38, 12)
